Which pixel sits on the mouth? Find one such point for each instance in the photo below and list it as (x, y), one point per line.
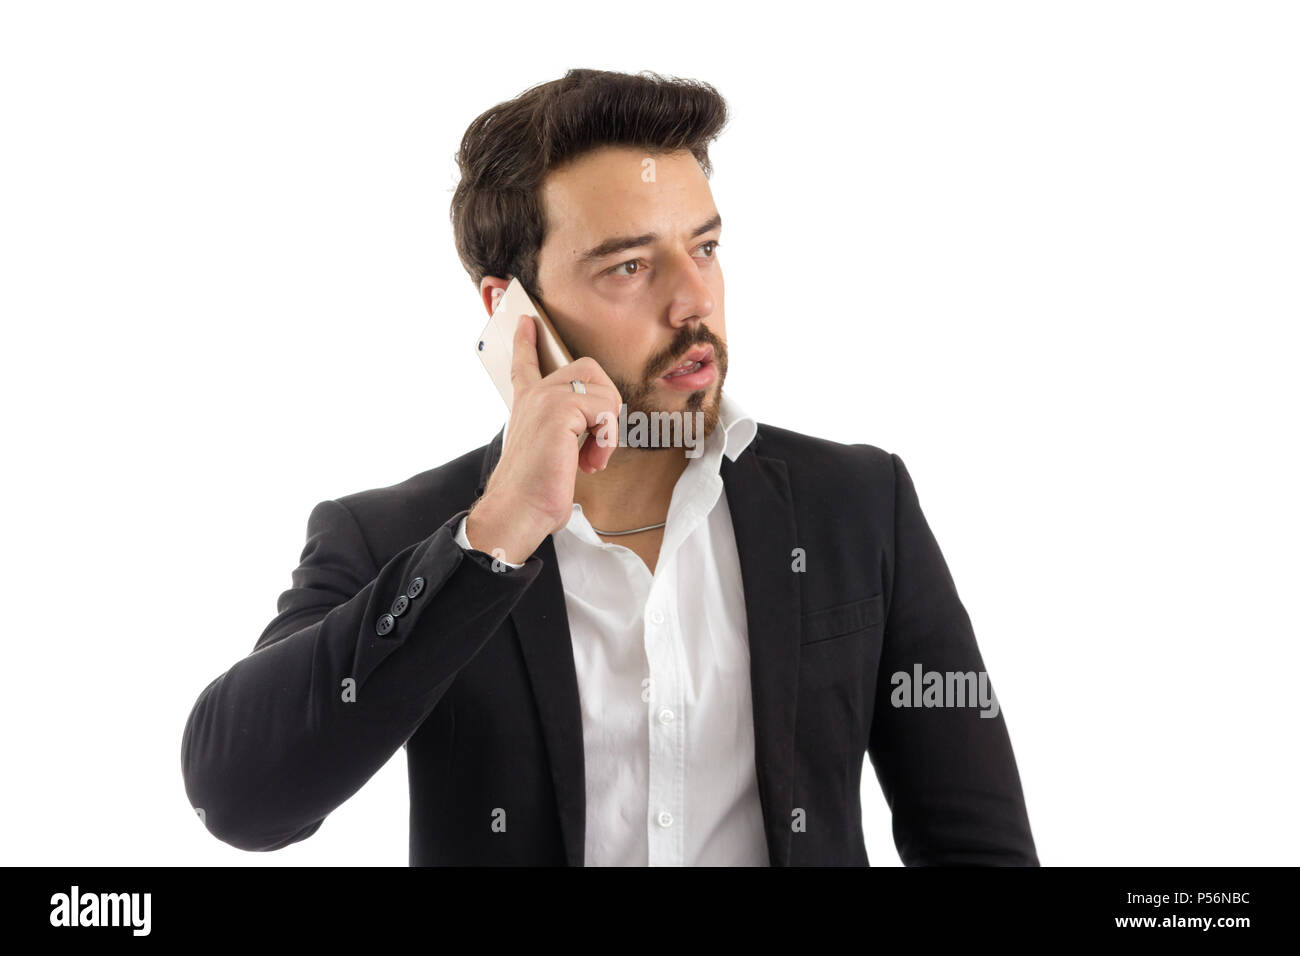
(695, 370)
(699, 356)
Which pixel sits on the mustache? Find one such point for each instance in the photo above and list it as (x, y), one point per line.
(686, 338)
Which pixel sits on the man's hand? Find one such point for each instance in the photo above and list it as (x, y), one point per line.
(530, 493)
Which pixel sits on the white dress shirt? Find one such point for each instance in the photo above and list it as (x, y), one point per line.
(663, 676)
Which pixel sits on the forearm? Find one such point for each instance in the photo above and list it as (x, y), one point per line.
(293, 730)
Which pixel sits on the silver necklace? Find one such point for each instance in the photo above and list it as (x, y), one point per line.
(615, 534)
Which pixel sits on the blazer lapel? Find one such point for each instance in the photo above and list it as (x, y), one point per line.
(762, 515)
(542, 624)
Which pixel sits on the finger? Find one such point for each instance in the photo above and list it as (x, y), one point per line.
(524, 369)
(602, 438)
(585, 369)
(594, 415)
(599, 447)
(561, 382)
(602, 435)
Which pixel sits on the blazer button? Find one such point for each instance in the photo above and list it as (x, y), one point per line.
(400, 605)
(384, 625)
(417, 585)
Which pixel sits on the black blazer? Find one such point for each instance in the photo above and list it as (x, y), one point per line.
(392, 636)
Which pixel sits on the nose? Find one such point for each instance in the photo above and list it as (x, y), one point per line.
(692, 300)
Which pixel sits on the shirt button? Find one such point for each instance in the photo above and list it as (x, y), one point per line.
(665, 819)
(657, 616)
(666, 716)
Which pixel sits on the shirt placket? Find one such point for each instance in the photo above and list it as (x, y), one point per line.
(667, 785)
(666, 655)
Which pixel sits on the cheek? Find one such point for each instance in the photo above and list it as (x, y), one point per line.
(624, 353)
(604, 338)
(716, 320)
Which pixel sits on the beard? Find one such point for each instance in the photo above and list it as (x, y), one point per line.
(639, 396)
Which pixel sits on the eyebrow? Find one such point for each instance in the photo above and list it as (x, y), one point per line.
(620, 243)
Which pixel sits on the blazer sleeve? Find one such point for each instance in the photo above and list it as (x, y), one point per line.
(343, 676)
(947, 773)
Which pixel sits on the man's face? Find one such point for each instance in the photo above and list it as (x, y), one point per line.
(630, 276)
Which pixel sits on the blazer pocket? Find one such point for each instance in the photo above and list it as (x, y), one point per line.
(832, 622)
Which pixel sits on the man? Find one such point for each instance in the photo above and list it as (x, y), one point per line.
(622, 655)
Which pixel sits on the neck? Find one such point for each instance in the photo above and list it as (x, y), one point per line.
(634, 490)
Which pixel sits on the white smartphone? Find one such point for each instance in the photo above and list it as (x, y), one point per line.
(496, 341)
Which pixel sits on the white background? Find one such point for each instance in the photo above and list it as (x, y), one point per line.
(1045, 252)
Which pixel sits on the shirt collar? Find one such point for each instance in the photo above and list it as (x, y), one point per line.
(737, 426)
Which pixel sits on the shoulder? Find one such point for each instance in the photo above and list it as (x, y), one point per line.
(839, 491)
(416, 506)
(812, 455)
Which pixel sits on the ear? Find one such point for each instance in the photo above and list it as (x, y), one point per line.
(491, 289)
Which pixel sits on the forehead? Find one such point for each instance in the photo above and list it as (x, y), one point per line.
(609, 191)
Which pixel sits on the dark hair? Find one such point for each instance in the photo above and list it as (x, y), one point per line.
(496, 212)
